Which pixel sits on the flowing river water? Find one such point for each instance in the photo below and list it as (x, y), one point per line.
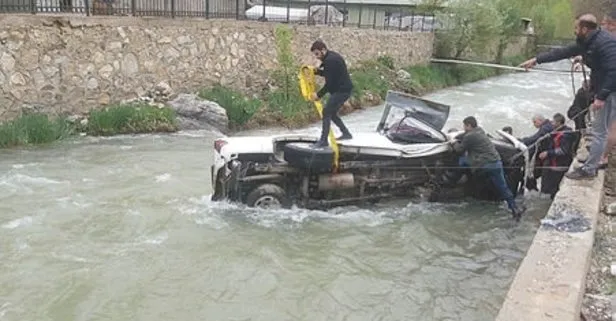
(122, 228)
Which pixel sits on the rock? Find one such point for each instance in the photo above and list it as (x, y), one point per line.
(610, 209)
(164, 89)
(130, 65)
(403, 75)
(196, 113)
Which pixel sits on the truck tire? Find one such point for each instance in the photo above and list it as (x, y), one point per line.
(268, 196)
(302, 155)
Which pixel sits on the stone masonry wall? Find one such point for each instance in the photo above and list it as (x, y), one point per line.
(70, 65)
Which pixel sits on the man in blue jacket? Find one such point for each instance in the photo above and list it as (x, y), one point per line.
(598, 49)
(544, 127)
(338, 84)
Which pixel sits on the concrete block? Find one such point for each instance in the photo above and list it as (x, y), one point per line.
(550, 282)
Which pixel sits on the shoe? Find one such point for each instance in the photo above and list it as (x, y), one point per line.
(345, 137)
(580, 173)
(602, 166)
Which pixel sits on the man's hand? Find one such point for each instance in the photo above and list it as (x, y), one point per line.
(314, 97)
(597, 104)
(528, 63)
(543, 155)
(577, 63)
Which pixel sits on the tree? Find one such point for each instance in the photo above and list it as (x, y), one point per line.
(469, 25)
(509, 26)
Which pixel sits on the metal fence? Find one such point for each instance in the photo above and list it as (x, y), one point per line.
(352, 13)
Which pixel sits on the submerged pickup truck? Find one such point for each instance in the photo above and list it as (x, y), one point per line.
(408, 156)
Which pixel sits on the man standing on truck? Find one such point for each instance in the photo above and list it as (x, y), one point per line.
(483, 159)
(339, 86)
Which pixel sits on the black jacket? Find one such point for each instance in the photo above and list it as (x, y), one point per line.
(481, 150)
(579, 107)
(337, 78)
(599, 52)
(559, 148)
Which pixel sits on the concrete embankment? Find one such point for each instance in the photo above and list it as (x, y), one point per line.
(550, 282)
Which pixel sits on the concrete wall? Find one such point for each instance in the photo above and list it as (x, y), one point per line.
(550, 282)
(73, 64)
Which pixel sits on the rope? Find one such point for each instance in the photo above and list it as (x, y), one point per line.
(485, 64)
(473, 167)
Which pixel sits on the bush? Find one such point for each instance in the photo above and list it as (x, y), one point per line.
(239, 107)
(34, 129)
(131, 119)
(371, 77)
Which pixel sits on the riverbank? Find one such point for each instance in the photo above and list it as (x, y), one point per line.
(279, 105)
(551, 280)
(600, 291)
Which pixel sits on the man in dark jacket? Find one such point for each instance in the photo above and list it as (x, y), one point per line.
(556, 156)
(579, 108)
(544, 127)
(483, 158)
(339, 86)
(598, 49)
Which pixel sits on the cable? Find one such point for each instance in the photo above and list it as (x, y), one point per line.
(485, 64)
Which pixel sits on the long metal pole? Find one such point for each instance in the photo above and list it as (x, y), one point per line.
(485, 64)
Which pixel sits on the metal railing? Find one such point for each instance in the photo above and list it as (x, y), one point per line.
(344, 13)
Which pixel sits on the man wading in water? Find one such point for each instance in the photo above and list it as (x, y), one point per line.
(338, 84)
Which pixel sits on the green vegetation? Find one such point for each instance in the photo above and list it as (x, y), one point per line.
(33, 129)
(39, 129)
(239, 107)
(479, 24)
(130, 119)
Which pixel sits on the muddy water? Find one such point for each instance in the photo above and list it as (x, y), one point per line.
(122, 229)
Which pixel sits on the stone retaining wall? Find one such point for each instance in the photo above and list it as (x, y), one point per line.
(72, 64)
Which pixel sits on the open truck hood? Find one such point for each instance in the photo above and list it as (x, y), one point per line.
(428, 112)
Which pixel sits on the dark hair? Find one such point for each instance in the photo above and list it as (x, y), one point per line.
(559, 118)
(587, 21)
(318, 45)
(508, 129)
(470, 121)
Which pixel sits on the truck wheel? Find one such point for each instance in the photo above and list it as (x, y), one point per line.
(302, 155)
(268, 196)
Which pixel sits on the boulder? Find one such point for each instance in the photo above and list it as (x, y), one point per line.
(196, 113)
(403, 75)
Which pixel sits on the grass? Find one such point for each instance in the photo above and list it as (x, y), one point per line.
(283, 106)
(130, 119)
(34, 129)
(239, 107)
(40, 129)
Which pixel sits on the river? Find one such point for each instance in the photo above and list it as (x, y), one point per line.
(122, 228)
